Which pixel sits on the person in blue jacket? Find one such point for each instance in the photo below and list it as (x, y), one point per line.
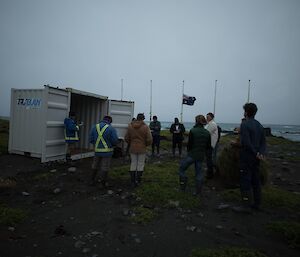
(71, 133)
(252, 151)
(104, 137)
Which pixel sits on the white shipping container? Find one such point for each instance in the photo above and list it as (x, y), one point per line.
(37, 120)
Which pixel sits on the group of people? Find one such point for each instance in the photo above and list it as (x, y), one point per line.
(202, 142)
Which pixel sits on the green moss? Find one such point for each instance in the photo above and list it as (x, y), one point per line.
(160, 184)
(290, 231)
(271, 198)
(143, 215)
(120, 173)
(11, 216)
(43, 176)
(275, 197)
(227, 252)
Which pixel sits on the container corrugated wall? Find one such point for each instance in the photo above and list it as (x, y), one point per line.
(26, 120)
(57, 109)
(122, 114)
(89, 111)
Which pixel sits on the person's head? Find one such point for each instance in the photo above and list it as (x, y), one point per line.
(72, 115)
(108, 119)
(176, 120)
(250, 110)
(140, 116)
(200, 120)
(210, 116)
(155, 118)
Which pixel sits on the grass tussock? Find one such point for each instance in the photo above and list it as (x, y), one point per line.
(228, 163)
(272, 198)
(289, 231)
(227, 252)
(11, 216)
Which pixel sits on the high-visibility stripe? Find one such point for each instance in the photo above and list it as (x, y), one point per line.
(75, 138)
(100, 138)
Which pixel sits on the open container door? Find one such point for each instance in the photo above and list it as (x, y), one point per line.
(57, 102)
(89, 109)
(122, 113)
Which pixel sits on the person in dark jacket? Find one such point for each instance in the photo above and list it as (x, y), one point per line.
(104, 137)
(253, 148)
(155, 128)
(71, 133)
(177, 130)
(199, 143)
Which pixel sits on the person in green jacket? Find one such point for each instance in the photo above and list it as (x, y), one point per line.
(199, 143)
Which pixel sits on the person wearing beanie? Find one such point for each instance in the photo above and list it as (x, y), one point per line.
(199, 143)
(138, 137)
(104, 137)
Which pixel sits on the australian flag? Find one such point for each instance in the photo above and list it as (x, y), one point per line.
(189, 100)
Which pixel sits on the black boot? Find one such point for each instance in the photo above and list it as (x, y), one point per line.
(133, 178)
(182, 182)
(139, 177)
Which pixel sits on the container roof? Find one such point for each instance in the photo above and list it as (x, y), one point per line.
(79, 92)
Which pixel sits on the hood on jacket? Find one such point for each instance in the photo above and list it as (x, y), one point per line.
(137, 124)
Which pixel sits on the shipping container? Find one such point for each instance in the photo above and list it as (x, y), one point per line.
(37, 120)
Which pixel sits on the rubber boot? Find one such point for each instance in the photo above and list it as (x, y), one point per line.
(133, 178)
(182, 183)
(139, 177)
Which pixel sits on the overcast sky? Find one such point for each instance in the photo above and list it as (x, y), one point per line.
(91, 45)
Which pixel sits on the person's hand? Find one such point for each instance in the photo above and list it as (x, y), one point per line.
(259, 156)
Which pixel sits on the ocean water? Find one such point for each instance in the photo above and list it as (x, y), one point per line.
(291, 132)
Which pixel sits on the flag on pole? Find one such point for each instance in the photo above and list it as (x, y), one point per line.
(189, 100)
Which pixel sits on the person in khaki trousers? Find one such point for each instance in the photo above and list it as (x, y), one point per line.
(138, 137)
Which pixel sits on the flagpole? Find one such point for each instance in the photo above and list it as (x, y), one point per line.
(248, 99)
(150, 100)
(215, 97)
(121, 89)
(181, 114)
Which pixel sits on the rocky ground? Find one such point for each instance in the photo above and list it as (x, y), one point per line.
(51, 211)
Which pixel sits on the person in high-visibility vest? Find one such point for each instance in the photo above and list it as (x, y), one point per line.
(71, 133)
(104, 137)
